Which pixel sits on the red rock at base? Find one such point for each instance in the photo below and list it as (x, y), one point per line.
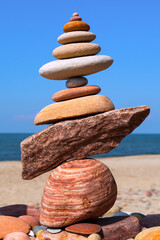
(16, 210)
(75, 191)
(12, 224)
(78, 138)
(121, 230)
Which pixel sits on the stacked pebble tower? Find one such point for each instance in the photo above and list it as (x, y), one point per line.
(76, 59)
(82, 124)
(79, 189)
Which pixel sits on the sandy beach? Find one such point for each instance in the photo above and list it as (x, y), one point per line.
(137, 178)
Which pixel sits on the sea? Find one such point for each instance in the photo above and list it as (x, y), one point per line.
(133, 144)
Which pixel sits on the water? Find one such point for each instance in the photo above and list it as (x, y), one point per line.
(134, 144)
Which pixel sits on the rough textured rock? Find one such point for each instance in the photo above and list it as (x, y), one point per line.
(73, 108)
(73, 67)
(64, 235)
(71, 93)
(76, 36)
(121, 230)
(76, 82)
(76, 26)
(17, 210)
(12, 224)
(76, 50)
(75, 191)
(78, 139)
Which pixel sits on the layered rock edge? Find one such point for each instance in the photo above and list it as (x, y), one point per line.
(78, 138)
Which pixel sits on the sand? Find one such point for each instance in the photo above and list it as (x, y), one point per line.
(137, 178)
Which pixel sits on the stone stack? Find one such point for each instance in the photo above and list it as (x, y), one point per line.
(82, 124)
(77, 57)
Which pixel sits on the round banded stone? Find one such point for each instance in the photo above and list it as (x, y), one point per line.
(76, 36)
(75, 191)
(76, 82)
(76, 50)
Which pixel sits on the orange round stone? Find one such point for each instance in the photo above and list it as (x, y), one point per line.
(12, 224)
(153, 235)
(84, 228)
(32, 221)
(76, 26)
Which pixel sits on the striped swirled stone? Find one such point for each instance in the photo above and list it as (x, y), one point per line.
(77, 190)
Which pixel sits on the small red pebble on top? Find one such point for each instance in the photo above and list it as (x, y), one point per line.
(75, 18)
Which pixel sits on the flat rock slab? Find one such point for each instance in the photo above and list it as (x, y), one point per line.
(78, 138)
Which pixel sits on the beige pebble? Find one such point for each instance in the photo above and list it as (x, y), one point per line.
(76, 50)
(77, 107)
(94, 236)
(76, 36)
(75, 14)
(73, 67)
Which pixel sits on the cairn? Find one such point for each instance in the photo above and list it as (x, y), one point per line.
(82, 124)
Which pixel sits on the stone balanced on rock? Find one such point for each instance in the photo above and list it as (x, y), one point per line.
(82, 124)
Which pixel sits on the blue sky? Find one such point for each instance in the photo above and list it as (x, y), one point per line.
(128, 31)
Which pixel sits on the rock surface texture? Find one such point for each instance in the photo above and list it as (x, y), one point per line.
(78, 139)
(76, 36)
(76, 50)
(17, 210)
(17, 236)
(76, 82)
(77, 190)
(67, 94)
(72, 108)
(76, 26)
(12, 224)
(64, 235)
(79, 66)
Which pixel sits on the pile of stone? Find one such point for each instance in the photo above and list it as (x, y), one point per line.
(83, 124)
